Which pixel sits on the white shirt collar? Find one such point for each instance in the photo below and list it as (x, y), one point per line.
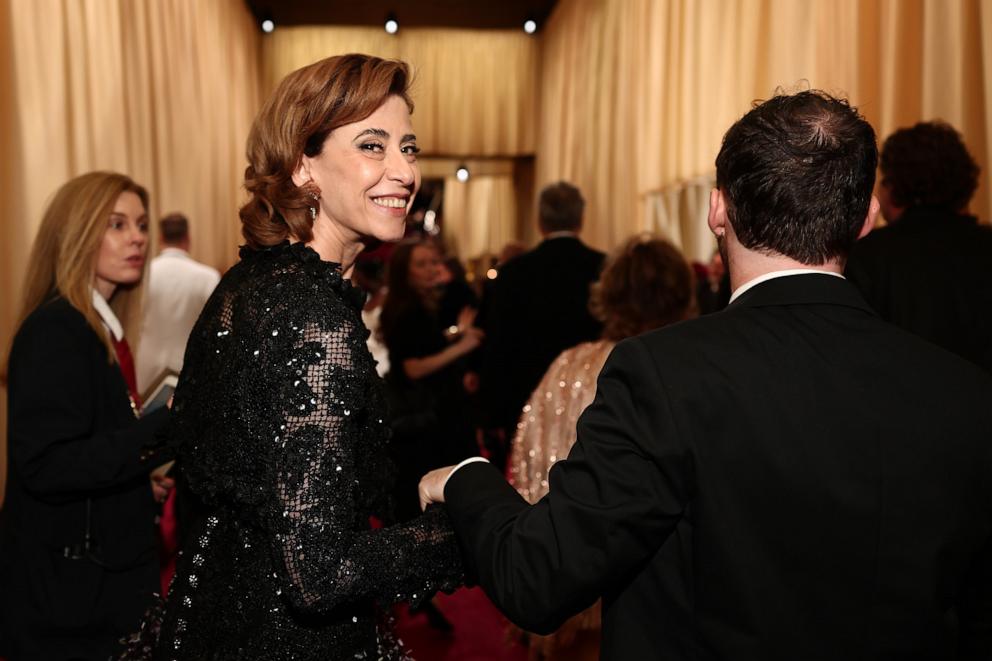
(561, 234)
(107, 315)
(777, 274)
(172, 250)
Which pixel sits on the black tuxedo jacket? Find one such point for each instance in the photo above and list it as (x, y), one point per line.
(74, 450)
(931, 273)
(791, 478)
(537, 308)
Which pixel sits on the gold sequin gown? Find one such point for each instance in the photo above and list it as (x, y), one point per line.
(545, 434)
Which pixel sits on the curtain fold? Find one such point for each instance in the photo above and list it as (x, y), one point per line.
(475, 91)
(479, 215)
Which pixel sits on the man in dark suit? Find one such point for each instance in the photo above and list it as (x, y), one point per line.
(538, 307)
(930, 269)
(833, 469)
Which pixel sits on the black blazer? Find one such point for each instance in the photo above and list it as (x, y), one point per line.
(834, 470)
(931, 273)
(73, 444)
(537, 308)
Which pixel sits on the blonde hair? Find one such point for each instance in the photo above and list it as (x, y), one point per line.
(64, 253)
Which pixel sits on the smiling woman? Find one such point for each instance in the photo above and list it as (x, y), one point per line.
(279, 418)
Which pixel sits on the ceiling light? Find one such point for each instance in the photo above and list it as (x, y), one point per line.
(391, 24)
(462, 174)
(530, 26)
(268, 25)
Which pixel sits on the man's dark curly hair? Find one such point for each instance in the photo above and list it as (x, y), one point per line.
(928, 165)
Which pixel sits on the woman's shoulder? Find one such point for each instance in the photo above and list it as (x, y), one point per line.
(56, 315)
(586, 355)
(292, 276)
(52, 332)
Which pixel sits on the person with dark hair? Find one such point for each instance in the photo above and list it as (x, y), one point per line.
(279, 421)
(930, 269)
(833, 468)
(428, 400)
(646, 284)
(537, 307)
(78, 562)
(178, 287)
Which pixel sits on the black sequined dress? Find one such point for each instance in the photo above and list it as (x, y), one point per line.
(279, 429)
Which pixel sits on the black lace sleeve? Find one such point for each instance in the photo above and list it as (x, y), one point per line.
(324, 553)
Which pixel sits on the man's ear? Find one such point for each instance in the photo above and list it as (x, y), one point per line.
(301, 175)
(871, 217)
(716, 218)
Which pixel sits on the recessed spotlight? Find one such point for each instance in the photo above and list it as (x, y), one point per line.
(530, 26)
(392, 25)
(462, 174)
(268, 25)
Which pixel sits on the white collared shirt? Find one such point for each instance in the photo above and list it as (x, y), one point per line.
(107, 315)
(778, 274)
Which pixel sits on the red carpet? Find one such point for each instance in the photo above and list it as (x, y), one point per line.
(479, 631)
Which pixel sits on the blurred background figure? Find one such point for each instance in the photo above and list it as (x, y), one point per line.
(930, 269)
(369, 275)
(456, 292)
(646, 284)
(429, 405)
(712, 285)
(78, 561)
(178, 287)
(538, 306)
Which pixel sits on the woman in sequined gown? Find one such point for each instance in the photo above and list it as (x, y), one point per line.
(278, 415)
(645, 284)
(78, 561)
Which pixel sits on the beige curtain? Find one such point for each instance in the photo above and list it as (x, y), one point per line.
(636, 94)
(163, 90)
(678, 213)
(479, 215)
(475, 91)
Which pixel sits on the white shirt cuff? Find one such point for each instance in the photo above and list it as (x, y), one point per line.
(470, 460)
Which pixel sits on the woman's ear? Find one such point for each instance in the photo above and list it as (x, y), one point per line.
(301, 175)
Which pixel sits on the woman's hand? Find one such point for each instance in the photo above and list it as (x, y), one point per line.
(470, 340)
(161, 486)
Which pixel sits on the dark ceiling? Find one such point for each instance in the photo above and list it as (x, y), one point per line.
(492, 14)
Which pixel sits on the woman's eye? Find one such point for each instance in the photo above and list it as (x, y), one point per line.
(116, 224)
(411, 149)
(374, 147)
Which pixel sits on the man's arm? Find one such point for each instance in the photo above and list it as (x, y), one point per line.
(612, 504)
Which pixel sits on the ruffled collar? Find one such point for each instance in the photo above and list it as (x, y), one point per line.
(312, 264)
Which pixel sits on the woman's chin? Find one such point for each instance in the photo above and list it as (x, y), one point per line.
(391, 232)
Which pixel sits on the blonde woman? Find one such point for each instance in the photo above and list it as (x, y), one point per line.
(645, 284)
(78, 561)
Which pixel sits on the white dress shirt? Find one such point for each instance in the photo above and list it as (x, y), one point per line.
(178, 286)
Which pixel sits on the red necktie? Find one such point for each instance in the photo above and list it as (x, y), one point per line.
(126, 361)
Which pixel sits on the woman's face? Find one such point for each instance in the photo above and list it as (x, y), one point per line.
(425, 269)
(121, 259)
(368, 175)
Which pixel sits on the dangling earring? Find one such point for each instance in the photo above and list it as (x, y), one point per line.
(314, 194)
